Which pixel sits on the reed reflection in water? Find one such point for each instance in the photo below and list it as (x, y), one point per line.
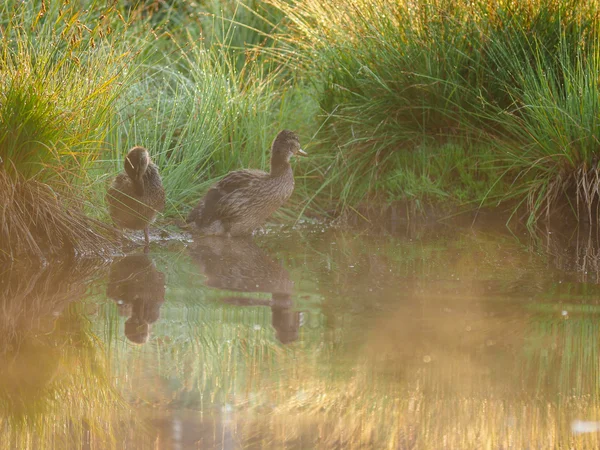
(55, 383)
(444, 340)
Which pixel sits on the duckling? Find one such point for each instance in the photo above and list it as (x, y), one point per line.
(136, 195)
(244, 199)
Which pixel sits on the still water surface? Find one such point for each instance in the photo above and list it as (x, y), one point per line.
(314, 338)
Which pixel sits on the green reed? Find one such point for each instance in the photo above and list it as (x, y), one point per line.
(199, 118)
(202, 113)
(60, 74)
(510, 83)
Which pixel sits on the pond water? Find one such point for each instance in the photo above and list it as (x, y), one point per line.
(439, 338)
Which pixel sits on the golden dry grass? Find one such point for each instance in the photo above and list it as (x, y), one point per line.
(38, 221)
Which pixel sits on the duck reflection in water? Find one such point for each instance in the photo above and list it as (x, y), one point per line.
(138, 288)
(238, 264)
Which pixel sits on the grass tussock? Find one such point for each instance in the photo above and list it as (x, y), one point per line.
(59, 75)
(61, 69)
(512, 84)
(36, 221)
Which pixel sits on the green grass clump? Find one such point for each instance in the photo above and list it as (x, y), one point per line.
(515, 82)
(60, 73)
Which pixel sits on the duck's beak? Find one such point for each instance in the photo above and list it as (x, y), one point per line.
(301, 152)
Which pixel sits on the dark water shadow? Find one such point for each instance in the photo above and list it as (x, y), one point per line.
(138, 289)
(239, 265)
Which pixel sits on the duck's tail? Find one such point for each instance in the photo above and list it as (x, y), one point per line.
(195, 214)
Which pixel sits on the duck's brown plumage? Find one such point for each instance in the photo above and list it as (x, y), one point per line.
(244, 199)
(137, 195)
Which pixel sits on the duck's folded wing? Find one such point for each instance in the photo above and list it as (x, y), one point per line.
(220, 200)
(239, 179)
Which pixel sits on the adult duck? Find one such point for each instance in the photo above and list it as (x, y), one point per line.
(243, 200)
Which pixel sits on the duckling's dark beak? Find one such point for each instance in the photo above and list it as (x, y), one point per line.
(301, 152)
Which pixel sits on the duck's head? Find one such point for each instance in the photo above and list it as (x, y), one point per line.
(136, 162)
(286, 145)
(137, 331)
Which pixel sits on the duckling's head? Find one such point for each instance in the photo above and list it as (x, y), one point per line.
(136, 162)
(137, 331)
(286, 145)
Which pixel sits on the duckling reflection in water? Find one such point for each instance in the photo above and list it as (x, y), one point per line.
(240, 265)
(137, 195)
(139, 290)
(245, 199)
